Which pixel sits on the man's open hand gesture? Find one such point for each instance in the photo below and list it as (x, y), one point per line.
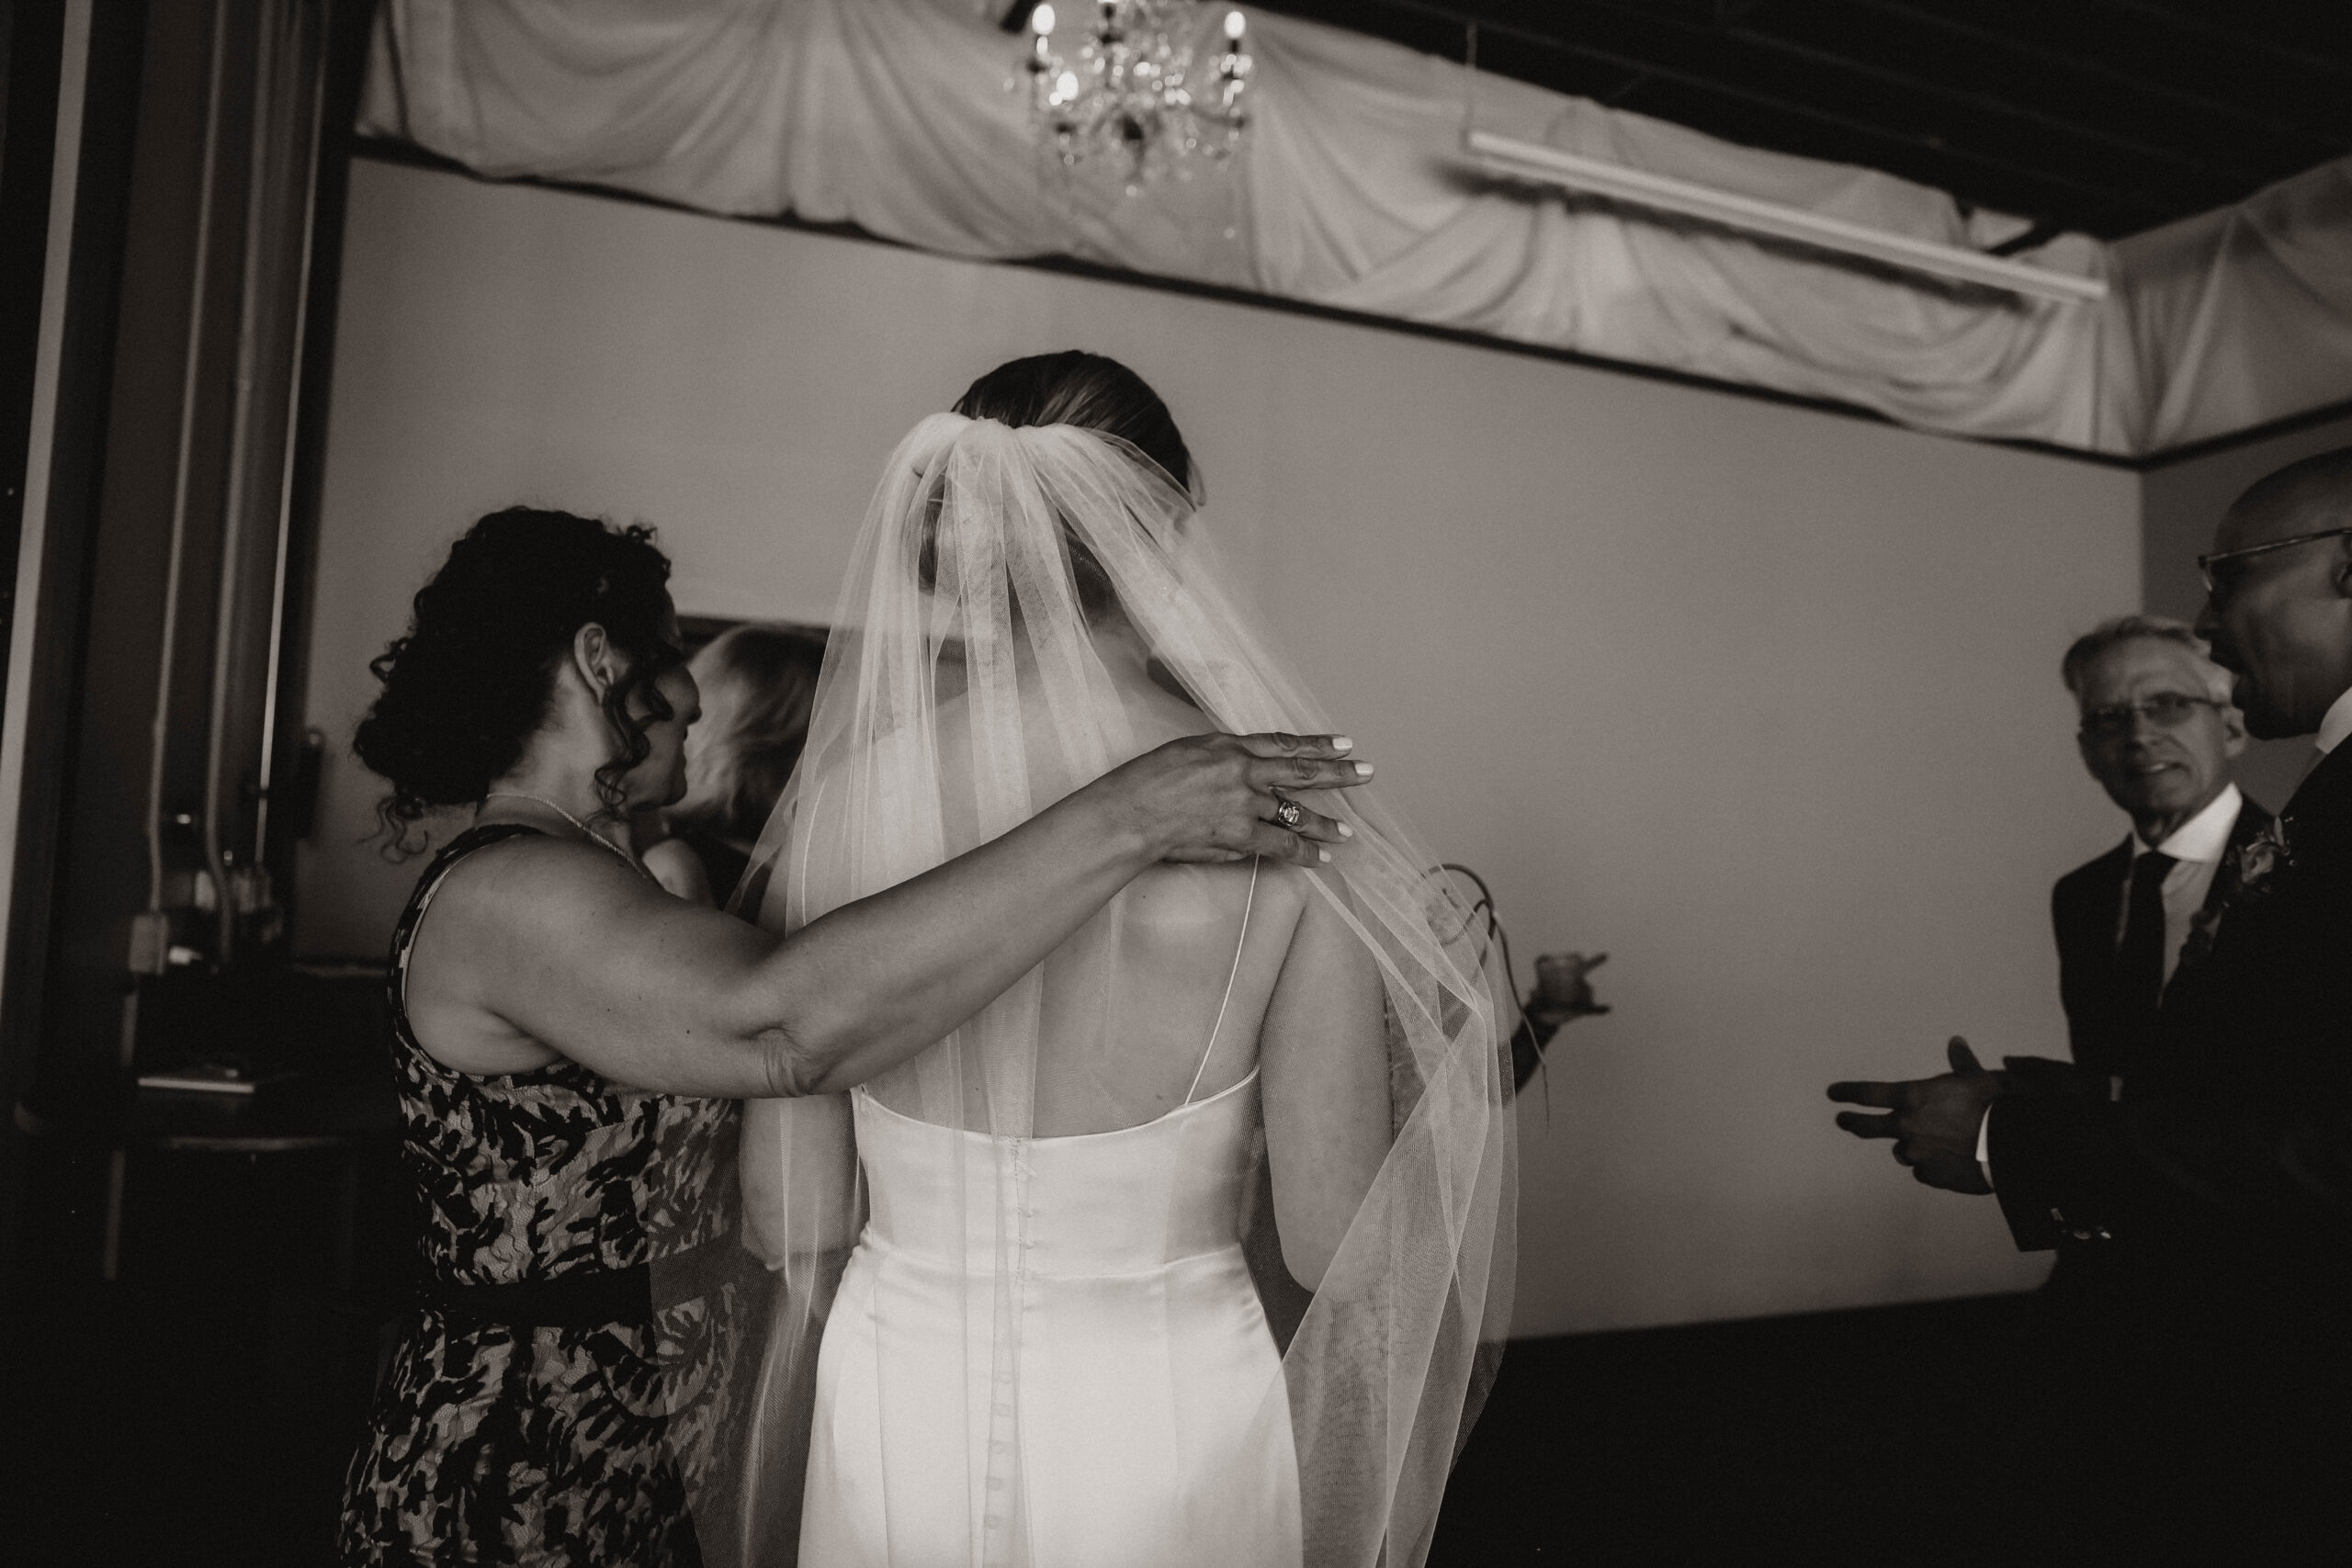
(1933, 1122)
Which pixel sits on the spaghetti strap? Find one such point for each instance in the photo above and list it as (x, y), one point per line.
(1232, 975)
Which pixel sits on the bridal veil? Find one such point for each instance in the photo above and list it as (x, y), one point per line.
(961, 693)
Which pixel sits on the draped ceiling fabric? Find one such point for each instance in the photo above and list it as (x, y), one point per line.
(1352, 191)
(2243, 315)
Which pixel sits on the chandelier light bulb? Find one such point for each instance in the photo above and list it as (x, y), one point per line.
(1130, 88)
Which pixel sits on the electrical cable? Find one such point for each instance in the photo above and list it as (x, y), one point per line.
(1497, 937)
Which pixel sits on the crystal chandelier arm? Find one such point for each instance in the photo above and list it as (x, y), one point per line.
(1125, 87)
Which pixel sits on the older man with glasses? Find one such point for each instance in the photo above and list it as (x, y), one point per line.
(2158, 733)
(2206, 1381)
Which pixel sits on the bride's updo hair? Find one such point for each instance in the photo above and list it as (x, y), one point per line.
(471, 682)
(1093, 392)
(1090, 390)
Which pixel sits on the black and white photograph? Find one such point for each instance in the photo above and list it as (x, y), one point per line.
(1145, 784)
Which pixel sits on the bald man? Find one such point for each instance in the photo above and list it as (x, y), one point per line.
(2218, 1402)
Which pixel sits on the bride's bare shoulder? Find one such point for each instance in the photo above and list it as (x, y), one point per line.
(1157, 716)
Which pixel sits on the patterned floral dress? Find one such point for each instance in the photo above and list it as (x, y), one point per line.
(514, 1425)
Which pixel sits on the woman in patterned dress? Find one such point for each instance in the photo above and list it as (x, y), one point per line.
(570, 1039)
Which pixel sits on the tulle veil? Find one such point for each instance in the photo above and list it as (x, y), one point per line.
(961, 693)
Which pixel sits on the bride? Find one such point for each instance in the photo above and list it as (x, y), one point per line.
(1085, 1223)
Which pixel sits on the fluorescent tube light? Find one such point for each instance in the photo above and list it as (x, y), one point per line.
(1549, 165)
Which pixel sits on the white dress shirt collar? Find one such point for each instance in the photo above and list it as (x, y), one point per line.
(2204, 837)
(2337, 724)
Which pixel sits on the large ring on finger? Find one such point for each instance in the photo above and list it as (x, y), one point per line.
(1291, 815)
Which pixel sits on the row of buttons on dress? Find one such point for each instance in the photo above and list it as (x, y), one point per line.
(1020, 1213)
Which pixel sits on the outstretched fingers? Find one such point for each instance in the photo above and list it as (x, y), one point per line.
(1280, 743)
(1247, 785)
(1276, 842)
(1297, 817)
(1302, 762)
(1280, 766)
(1885, 1096)
(1863, 1126)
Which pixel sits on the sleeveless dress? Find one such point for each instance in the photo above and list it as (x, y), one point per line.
(1112, 1396)
(540, 1409)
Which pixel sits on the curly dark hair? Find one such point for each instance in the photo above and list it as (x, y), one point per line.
(471, 682)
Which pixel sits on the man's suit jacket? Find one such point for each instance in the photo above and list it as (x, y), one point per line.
(2105, 1027)
(2220, 1182)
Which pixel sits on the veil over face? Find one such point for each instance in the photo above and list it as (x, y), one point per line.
(965, 690)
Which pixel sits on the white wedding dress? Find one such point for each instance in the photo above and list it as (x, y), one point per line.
(1144, 1410)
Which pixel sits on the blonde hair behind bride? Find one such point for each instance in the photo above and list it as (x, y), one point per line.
(758, 682)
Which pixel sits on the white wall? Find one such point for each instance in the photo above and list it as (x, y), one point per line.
(1760, 700)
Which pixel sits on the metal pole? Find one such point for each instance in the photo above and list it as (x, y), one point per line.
(160, 732)
(268, 776)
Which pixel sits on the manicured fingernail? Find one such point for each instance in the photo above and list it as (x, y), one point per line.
(1342, 743)
(1363, 770)
(1346, 831)
(1323, 855)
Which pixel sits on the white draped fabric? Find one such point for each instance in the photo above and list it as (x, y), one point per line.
(1351, 192)
(2241, 316)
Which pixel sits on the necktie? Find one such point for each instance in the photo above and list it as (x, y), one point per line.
(2140, 962)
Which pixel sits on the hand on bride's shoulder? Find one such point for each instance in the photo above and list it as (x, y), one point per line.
(1225, 797)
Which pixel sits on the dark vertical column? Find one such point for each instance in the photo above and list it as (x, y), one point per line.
(32, 36)
(293, 777)
(60, 598)
(150, 524)
(175, 550)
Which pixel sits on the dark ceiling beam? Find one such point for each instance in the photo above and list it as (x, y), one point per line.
(1903, 80)
(2233, 38)
(2143, 204)
(2225, 172)
(2132, 81)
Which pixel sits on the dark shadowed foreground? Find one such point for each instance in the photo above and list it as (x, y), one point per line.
(201, 1409)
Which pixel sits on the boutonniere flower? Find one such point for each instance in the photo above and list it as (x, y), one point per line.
(2263, 855)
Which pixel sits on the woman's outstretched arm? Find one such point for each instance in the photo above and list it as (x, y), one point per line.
(574, 950)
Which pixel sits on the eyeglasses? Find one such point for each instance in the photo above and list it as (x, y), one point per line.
(2165, 710)
(2218, 585)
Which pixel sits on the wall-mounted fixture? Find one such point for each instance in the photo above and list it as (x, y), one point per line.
(1537, 164)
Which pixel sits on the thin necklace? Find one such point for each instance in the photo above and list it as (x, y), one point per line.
(634, 863)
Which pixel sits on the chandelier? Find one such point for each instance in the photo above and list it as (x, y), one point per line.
(1129, 90)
